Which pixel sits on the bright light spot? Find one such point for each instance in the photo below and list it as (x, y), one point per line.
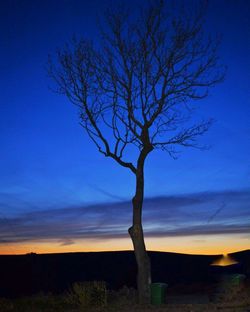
(224, 261)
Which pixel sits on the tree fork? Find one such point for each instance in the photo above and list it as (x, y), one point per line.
(148, 78)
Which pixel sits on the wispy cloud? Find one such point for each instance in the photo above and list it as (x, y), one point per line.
(225, 212)
(66, 242)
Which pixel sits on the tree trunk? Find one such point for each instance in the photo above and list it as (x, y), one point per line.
(136, 234)
(143, 264)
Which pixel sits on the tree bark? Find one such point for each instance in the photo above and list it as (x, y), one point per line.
(137, 236)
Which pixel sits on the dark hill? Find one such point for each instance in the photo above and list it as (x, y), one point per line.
(28, 274)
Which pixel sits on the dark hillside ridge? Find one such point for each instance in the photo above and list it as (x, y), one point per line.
(22, 275)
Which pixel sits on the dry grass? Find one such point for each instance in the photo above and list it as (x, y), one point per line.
(124, 300)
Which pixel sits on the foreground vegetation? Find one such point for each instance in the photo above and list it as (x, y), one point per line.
(86, 296)
(95, 297)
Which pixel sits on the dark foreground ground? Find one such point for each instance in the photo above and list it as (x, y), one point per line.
(123, 301)
(33, 273)
(34, 283)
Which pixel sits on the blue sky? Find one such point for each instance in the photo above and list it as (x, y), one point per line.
(49, 169)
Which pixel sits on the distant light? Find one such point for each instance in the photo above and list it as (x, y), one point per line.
(224, 261)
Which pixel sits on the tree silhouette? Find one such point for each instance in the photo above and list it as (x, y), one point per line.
(136, 87)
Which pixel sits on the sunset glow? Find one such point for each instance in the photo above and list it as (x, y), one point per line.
(195, 245)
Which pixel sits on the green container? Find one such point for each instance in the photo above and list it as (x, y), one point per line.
(158, 293)
(237, 279)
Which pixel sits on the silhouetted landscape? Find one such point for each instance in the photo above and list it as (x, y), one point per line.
(100, 99)
(23, 275)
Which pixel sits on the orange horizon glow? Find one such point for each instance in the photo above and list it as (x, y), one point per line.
(23, 251)
(211, 245)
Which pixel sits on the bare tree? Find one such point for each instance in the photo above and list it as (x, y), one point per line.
(135, 88)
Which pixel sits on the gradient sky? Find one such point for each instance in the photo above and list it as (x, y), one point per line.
(57, 193)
